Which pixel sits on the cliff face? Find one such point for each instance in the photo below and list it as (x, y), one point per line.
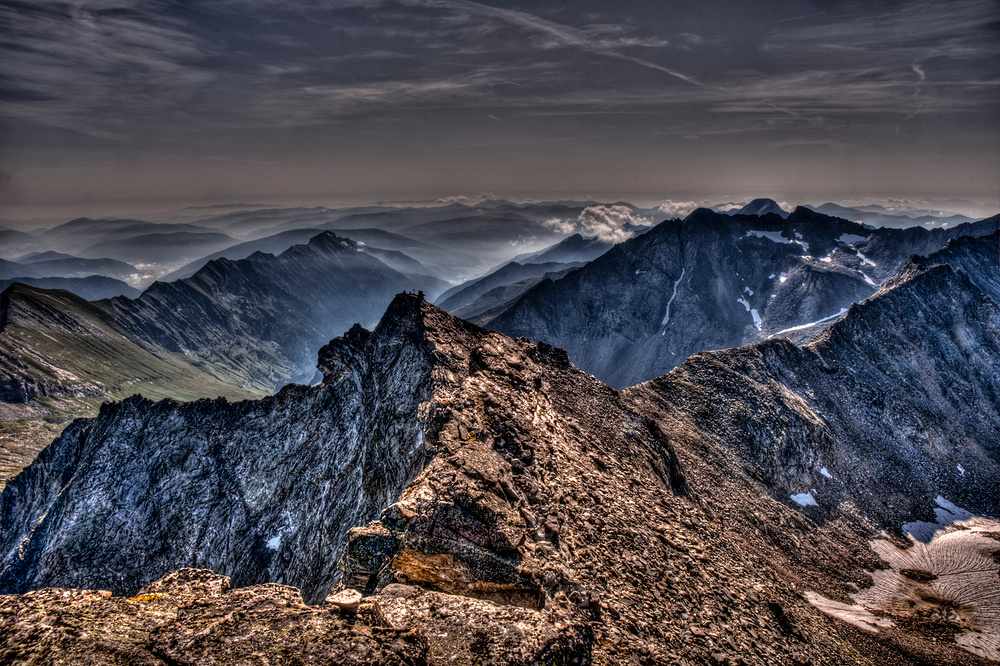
(655, 525)
(258, 490)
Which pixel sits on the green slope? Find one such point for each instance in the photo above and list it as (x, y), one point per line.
(60, 359)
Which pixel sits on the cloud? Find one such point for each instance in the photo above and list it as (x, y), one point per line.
(608, 223)
(676, 208)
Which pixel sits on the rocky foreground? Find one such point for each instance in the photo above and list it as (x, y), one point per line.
(493, 504)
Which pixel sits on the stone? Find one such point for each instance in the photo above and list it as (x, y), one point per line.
(347, 600)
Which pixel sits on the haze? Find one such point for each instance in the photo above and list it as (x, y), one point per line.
(111, 105)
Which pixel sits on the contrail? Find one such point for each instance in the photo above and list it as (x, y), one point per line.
(563, 34)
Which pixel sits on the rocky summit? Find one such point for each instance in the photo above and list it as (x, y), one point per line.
(448, 494)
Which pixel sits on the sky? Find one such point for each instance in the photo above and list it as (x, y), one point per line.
(114, 105)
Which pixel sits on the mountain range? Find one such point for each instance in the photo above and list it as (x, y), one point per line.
(450, 483)
(711, 281)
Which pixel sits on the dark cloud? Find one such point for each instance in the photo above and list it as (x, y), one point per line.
(671, 89)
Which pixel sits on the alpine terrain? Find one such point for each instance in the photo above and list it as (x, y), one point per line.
(448, 494)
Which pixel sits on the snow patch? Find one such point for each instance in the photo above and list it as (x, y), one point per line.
(868, 279)
(771, 276)
(946, 513)
(744, 302)
(866, 260)
(828, 258)
(756, 318)
(804, 499)
(812, 323)
(856, 615)
(961, 568)
(960, 469)
(666, 315)
(274, 543)
(782, 277)
(748, 290)
(825, 472)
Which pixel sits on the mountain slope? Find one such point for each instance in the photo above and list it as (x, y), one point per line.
(235, 328)
(62, 356)
(711, 281)
(500, 472)
(465, 293)
(66, 266)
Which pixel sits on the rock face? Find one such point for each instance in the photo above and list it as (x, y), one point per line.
(711, 281)
(262, 491)
(490, 497)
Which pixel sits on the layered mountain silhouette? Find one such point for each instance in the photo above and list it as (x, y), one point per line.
(91, 288)
(737, 490)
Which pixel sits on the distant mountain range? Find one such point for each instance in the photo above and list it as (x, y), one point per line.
(711, 281)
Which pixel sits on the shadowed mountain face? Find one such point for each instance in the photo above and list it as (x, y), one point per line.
(497, 470)
(467, 292)
(711, 281)
(265, 315)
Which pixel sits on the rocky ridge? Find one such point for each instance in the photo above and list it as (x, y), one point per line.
(656, 523)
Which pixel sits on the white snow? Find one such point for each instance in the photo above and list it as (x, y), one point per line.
(753, 311)
(855, 614)
(666, 316)
(812, 323)
(825, 472)
(638, 272)
(274, 543)
(828, 258)
(803, 499)
(771, 276)
(945, 513)
(748, 290)
(782, 277)
(868, 279)
(847, 239)
(961, 469)
(866, 260)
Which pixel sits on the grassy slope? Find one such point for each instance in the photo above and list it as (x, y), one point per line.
(60, 339)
